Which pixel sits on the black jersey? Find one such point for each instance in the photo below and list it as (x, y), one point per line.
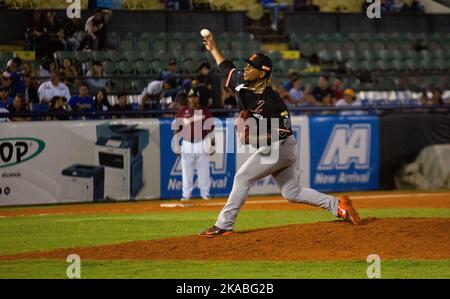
(267, 105)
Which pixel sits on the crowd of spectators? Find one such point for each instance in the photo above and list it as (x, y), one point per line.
(46, 33)
(50, 88)
(24, 88)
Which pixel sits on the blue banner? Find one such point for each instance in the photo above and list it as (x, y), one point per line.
(222, 165)
(344, 153)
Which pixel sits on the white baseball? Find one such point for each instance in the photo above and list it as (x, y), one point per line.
(205, 33)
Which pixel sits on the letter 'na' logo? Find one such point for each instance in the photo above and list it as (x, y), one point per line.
(347, 145)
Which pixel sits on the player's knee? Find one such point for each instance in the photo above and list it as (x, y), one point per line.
(291, 192)
(241, 179)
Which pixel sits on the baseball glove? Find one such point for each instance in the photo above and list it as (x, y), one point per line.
(242, 130)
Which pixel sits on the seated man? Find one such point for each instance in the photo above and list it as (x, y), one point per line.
(5, 99)
(122, 105)
(151, 95)
(49, 89)
(323, 94)
(82, 102)
(349, 100)
(18, 106)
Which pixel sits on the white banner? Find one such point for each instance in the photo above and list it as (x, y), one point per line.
(73, 161)
(267, 185)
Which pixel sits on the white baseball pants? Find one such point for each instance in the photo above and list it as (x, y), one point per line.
(194, 157)
(286, 175)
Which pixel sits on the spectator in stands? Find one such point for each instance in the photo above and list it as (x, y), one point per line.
(151, 95)
(5, 99)
(70, 73)
(214, 83)
(285, 95)
(27, 69)
(424, 99)
(7, 84)
(171, 72)
(82, 102)
(13, 65)
(96, 29)
(35, 34)
(94, 76)
(101, 100)
(349, 100)
(180, 101)
(228, 98)
(58, 105)
(204, 91)
(18, 106)
(337, 88)
(436, 98)
(55, 32)
(122, 105)
(49, 89)
(313, 64)
(322, 93)
(31, 88)
(310, 100)
(288, 84)
(297, 92)
(305, 5)
(15, 80)
(48, 68)
(74, 33)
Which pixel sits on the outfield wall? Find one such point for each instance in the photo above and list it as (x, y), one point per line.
(40, 161)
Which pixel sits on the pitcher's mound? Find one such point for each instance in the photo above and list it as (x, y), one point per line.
(390, 238)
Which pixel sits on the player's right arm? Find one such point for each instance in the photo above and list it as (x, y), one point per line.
(232, 75)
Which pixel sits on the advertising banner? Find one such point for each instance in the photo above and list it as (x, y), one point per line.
(73, 161)
(344, 152)
(222, 163)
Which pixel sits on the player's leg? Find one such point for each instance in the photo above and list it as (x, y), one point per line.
(252, 170)
(204, 180)
(187, 171)
(288, 180)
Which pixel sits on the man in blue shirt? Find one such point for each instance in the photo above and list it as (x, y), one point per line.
(5, 99)
(82, 102)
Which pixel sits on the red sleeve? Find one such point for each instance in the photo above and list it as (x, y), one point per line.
(179, 112)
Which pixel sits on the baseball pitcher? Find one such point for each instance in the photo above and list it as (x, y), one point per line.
(258, 101)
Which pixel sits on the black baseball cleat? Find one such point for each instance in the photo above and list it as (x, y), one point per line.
(215, 231)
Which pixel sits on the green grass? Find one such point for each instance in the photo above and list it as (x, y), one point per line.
(30, 233)
(196, 269)
(22, 234)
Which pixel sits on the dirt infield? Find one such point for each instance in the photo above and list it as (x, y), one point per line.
(361, 201)
(390, 238)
